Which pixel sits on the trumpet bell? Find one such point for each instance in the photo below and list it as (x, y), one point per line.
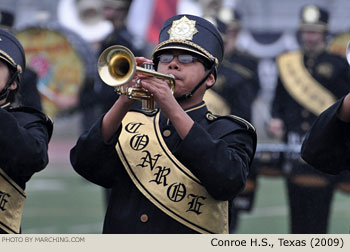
(348, 52)
(116, 66)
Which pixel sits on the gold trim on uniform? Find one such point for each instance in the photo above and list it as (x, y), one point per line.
(195, 108)
(167, 183)
(8, 57)
(301, 85)
(166, 133)
(210, 116)
(12, 199)
(10, 60)
(325, 69)
(5, 105)
(248, 124)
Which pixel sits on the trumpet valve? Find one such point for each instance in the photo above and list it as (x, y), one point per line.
(149, 66)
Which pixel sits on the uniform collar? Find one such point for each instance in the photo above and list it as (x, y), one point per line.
(196, 112)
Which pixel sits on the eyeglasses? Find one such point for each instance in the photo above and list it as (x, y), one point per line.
(182, 58)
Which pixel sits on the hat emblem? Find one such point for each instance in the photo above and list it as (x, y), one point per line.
(183, 29)
(311, 14)
(226, 15)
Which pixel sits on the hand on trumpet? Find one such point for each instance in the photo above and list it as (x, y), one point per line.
(157, 87)
(165, 94)
(134, 82)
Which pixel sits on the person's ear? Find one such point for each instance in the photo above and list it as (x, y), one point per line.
(13, 86)
(210, 81)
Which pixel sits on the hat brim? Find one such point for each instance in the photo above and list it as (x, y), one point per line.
(179, 47)
(313, 27)
(183, 46)
(7, 60)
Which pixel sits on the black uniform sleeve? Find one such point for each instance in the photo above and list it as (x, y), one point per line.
(327, 144)
(278, 104)
(29, 94)
(24, 143)
(95, 159)
(220, 157)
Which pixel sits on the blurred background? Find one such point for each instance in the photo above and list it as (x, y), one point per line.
(63, 39)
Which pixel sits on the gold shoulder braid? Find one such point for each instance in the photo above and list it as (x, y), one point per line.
(12, 199)
(301, 85)
(166, 182)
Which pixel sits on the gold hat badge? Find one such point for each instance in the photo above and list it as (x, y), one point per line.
(311, 14)
(182, 29)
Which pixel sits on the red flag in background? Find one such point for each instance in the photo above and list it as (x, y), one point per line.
(162, 11)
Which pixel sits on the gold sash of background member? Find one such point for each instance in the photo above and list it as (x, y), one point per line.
(12, 199)
(167, 183)
(301, 85)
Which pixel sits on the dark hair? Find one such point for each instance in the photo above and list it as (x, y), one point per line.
(206, 63)
(12, 93)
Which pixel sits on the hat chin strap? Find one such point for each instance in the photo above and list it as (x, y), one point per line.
(5, 92)
(190, 94)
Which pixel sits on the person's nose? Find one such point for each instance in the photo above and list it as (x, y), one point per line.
(174, 63)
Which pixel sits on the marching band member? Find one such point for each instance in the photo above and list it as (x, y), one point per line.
(25, 133)
(172, 170)
(310, 80)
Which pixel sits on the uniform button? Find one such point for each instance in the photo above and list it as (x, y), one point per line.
(305, 126)
(210, 116)
(305, 113)
(144, 218)
(166, 133)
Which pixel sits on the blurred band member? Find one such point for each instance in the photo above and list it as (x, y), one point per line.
(310, 80)
(28, 94)
(238, 86)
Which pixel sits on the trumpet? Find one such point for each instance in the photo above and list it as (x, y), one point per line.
(117, 66)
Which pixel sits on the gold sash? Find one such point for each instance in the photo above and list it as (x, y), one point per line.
(301, 85)
(12, 199)
(164, 180)
(216, 103)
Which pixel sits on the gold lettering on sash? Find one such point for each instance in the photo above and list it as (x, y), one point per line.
(12, 199)
(164, 180)
(301, 85)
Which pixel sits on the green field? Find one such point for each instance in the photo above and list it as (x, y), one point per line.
(60, 201)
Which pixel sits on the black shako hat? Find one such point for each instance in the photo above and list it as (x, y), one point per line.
(7, 18)
(230, 18)
(12, 51)
(313, 18)
(191, 33)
